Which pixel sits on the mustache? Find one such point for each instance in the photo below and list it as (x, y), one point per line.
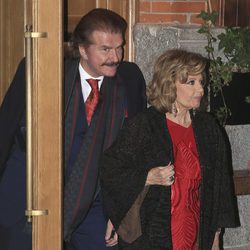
(111, 64)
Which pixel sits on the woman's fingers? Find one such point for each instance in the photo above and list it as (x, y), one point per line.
(163, 175)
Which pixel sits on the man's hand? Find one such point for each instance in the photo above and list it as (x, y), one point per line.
(111, 236)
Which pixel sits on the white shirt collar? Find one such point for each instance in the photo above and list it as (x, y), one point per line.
(86, 89)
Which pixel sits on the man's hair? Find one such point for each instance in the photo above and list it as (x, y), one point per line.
(173, 65)
(98, 20)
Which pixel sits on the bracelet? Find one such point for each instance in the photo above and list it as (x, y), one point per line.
(218, 230)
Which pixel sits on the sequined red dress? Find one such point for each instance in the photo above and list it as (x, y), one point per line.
(185, 203)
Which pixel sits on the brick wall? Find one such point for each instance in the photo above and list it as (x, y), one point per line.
(171, 11)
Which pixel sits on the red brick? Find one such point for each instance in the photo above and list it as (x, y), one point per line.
(145, 6)
(162, 18)
(178, 7)
(195, 20)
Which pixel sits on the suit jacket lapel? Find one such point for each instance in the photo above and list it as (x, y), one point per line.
(71, 113)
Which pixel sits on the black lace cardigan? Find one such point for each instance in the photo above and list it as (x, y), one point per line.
(145, 143)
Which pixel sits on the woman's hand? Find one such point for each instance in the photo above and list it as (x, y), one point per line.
(163, 175)
(216, 243)
(111, 236)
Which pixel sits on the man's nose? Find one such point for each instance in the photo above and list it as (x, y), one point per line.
(114, 55)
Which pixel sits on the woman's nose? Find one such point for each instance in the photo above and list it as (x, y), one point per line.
(199, 85)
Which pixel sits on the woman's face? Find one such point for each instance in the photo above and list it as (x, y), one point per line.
(189, 94)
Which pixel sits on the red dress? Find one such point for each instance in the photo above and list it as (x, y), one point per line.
(185, 203)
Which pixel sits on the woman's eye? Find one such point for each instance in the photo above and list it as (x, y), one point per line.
(190, 82)
(203, 83)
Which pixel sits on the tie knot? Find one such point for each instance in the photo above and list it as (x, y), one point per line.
(93, 83)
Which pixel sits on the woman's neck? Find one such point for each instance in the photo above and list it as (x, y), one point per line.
(182, 118)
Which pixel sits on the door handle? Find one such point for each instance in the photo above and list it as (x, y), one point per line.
(30, 212)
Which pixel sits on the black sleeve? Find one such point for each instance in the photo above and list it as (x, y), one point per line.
(228, 212)
(123, 173)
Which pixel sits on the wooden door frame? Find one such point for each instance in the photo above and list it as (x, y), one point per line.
(47, 92)
(47, 16)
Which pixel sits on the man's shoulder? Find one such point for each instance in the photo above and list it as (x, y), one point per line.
(70, 62)
(128, 68)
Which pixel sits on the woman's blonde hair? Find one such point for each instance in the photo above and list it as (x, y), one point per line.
(173, 65)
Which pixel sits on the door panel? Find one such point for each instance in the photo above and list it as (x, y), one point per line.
(232, 12)
(76, 9)
(46, 113)
(128, 9)
(47, 124)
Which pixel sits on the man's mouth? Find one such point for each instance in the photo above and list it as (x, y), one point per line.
(113, 64)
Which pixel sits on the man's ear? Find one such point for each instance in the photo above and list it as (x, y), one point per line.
(82, 52)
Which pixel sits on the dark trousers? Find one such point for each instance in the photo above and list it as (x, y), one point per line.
(15, 232)
(90, 235)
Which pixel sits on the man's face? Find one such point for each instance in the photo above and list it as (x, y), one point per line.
(103, 55)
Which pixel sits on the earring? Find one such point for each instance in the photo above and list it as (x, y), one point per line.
(193, 111)
(174, 109)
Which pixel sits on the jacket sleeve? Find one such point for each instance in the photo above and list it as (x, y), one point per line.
(11, 112)
(123, 172)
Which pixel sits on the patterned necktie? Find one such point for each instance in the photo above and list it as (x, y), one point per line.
(92, 99)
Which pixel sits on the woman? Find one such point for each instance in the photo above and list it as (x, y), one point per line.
(165, 181)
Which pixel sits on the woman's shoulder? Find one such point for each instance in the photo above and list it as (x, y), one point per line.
(205, 117)
(147, 116)
(207, 121)
(144, 124)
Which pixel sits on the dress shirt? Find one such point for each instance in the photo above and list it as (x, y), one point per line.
(86, 89)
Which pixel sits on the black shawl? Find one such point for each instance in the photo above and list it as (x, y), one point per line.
(145, 143)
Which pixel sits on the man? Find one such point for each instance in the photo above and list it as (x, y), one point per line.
(98, 38)
(101, 91)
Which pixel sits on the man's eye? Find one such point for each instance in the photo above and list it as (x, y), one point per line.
(119, 49)
(106, 49)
